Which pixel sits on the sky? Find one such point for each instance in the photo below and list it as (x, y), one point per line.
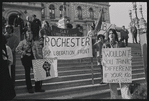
(119, 12)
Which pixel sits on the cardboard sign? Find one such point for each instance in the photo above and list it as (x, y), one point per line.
(45, 68)
(117, 65)
(67, 47)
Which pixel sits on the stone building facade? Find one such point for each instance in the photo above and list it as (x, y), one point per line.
(83, 13)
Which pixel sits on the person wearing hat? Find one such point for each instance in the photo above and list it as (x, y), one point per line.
(12, 42)
(18, 22)
(35, 27)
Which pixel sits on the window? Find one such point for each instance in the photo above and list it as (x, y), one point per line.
(61, 10)
(91, 12)
(52, 11)
(79, 12)
(42, 11)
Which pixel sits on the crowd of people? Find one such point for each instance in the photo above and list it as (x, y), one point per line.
(31, 44)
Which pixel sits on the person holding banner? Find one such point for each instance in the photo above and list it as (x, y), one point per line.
(25, 49)
(45, 29)
(37, 52)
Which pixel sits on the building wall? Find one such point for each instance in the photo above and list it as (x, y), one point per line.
(71, 11)
(20, 7)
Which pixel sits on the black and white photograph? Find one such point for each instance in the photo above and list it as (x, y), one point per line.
(73, 50)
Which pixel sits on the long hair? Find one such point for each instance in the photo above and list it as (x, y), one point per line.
(115, 33)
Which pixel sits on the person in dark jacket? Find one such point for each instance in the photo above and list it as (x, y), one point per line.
(35, 27)
(124, 35)
(18, 22)
(68, 25)
(7, 91)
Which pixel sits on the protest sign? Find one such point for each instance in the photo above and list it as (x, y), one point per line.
(117, 65)
(105, 27)
(45, 68)
(67, 47)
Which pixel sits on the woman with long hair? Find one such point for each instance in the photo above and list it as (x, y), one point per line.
(45, 29)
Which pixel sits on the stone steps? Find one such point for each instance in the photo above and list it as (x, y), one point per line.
(74, 79)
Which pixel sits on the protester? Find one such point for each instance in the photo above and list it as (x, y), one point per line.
(68, 25)
(133, 30)
(80, 33)
(92, 34)
(124, 35)
(98, 45)
(27, 25)
(45, 29)
(35, 27)
(25, 49)
(18, 22)
(111, 43)
(12, 42)
(7, 91)
(37, 52)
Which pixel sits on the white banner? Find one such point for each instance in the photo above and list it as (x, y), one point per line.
(117, 65)
(45, 68)
(67, 47)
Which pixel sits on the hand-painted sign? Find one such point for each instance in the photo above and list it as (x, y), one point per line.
(67, 47)
(45, 68)
(117, 65)
(64, 32)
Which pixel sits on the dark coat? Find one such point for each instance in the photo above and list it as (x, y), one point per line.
(19, 21)
(69, 26)
(35, 26)
(7, 91)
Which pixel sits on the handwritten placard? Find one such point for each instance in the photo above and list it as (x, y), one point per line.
(117, 65)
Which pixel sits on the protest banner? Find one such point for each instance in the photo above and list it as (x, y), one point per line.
(67, 47)
(117, 65)
(64, 32)
(45, 68)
